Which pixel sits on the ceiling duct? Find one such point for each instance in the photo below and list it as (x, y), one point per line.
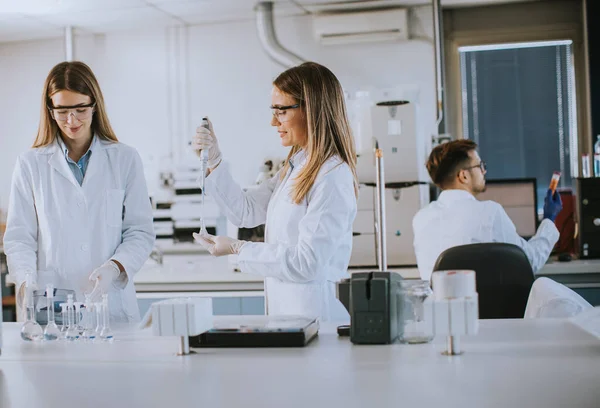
(268, 39)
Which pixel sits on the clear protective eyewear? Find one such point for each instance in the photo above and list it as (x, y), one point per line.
(80, 112)
(284, 113)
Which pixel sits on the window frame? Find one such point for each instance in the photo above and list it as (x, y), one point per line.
(535, 33)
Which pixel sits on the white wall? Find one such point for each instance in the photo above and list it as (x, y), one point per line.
(23, 69)
(229, 79)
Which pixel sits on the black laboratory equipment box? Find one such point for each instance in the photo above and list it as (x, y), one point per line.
(258, 331)
(374, 301)
(588, 211)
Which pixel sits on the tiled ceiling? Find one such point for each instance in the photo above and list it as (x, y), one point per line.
(33, 19)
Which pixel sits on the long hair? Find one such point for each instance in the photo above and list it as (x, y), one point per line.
(320, 94)
(76, 77)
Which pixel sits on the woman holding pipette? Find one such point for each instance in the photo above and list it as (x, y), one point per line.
(308, 206)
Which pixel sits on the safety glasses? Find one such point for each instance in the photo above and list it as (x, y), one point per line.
(284, 113)
(79, 112)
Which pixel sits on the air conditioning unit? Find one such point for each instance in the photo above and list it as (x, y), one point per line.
(362, 26)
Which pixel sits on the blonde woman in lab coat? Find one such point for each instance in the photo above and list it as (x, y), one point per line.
(308, 206)
(79, 215)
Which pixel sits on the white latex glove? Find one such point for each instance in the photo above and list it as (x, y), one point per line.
(206, 139)
(103, 277)
(219, 245)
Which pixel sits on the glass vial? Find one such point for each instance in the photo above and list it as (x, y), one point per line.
(415, 330)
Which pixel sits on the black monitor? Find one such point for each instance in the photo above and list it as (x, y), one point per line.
(518, 197)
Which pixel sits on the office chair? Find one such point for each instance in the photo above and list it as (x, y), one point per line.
(503, 276)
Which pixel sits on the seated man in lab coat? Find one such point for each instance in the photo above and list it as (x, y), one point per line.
(458, 218)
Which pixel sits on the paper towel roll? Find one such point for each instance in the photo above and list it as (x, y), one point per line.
(453, 284)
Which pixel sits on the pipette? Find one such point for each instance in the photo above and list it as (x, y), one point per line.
(51, 332)
(31, 330)
(203, 168)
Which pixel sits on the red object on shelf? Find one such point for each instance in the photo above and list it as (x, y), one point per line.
(566, 223)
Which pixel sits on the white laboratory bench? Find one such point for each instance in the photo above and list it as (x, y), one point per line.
(241, 293)
(197, 273)
(207, 273)
(579, 266)
(233, 293)
(511, 363)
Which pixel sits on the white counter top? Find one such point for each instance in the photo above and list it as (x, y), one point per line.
(207, 273)
(511, 363)
(578, 266)
(194, 273)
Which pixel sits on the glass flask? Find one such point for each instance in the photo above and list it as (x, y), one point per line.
(31, 330)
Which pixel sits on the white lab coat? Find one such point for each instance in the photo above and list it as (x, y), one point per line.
(550, 299)
(458, 218)
(62, 231)
(307, 246)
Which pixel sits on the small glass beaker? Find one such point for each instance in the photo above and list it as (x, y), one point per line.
(414, 328)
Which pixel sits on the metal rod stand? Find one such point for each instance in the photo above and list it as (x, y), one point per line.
(453, 346)
(184, 346)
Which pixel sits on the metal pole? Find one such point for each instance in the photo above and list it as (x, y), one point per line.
(184, 346)
(69, 43)
(380, 186)
(586, 145)
(438, 50)
(453, 346)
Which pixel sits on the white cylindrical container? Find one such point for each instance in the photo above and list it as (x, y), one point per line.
(453, 284)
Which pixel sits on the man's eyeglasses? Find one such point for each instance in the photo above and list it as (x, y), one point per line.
(284, 113)
(481, 165)
(80, 112)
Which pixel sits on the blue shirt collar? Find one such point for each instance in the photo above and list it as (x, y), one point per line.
(65, 149)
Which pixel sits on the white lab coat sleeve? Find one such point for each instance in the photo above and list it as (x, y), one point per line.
(246, 209)
(137, 231)
(550, 299)
(20, 238)
(537, 249)
(329, 216)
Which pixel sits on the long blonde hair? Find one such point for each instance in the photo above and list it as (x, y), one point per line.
(320, 95)
(77, 77)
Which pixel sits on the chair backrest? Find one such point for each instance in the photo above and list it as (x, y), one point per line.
(552, 299)
(503, 276)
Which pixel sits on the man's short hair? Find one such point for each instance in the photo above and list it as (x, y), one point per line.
(447, 159)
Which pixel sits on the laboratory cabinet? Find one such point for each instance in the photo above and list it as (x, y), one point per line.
(222, 305)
